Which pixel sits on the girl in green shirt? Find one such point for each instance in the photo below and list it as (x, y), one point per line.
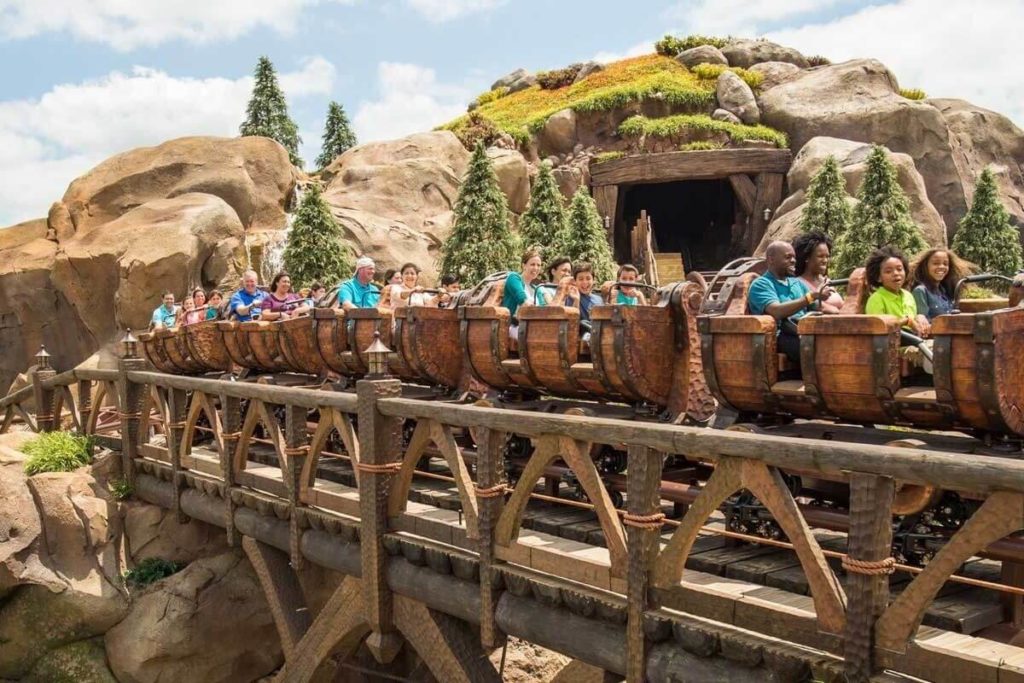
(886, 272)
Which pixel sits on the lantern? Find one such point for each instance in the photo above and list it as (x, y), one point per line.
(130, 344)
(42, 358)
(377, 358)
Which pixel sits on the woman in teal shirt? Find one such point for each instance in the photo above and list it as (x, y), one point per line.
(519, 287)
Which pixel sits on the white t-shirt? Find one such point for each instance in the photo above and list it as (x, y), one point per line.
(414, 299)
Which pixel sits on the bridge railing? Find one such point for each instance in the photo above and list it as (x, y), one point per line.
(859, 623)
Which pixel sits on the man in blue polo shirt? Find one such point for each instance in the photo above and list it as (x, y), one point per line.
(166, 313)
(247, 302)
(784, 297)
(360, 292)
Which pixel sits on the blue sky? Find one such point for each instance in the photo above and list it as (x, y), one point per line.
(81, 80)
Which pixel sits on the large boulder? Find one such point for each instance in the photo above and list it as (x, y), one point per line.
(210, 622)
(702, 54)
(735, 96)
(513, 177)
(152, 531)
(852, 159)
(251, 174)
(114, 276)
(20, 525)
(559, 133)
(859, 100)
(517, 80)
(389, 242)
(746, 53)
(82, 662)
(774, 73)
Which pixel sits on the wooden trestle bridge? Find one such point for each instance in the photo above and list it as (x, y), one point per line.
(453, 584)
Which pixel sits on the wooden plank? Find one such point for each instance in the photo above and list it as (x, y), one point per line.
(769, 196)
(757, 569)
(745, 190)
(717, 560)
(967, 611)
(670, 166)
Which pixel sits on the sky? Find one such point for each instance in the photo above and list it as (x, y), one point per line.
(81, 80)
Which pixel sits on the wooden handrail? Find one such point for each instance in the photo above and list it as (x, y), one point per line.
(306, 398)
(16, 396)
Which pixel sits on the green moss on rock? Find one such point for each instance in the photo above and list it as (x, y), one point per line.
(84, 661)
(684, 127)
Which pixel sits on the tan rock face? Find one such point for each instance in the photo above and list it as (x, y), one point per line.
(513, 177)
(152, 531)
(252, 175)
(746, 53)
(176, 628)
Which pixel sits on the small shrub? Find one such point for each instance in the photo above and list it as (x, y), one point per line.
(558, 78)
(57, 452)
(670, 46)
(711, 72)
(688, 124)
(608, 156)
(975, 292)
(149, 571)
(913, 93)
(491, 96)
(121, 489)
(700, 145)
(818, 60)
(478, 128)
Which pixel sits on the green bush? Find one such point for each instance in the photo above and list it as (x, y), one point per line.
(121, 489)
(818, 60)
(700, 145)
(558, 78)
(670, 46)
(478, 128)
(57, 452)
(913, 93)
(608, 156)
(682, 124)
(711, 72)
(985, 236)
(149, 571)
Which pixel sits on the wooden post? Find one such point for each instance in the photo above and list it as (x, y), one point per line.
(85, 402)
(643, 524)
(45, 419)
(132, 398)
(869, 563)
(490, 492)
(379, 460)
(231, 412)
(176, 399)
(296, 451)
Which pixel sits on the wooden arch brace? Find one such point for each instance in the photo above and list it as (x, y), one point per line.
(1000, 515)
(731, 475)
(330, 420)
(428, 431)
(201, 403)
(258, 414)
(577, 455)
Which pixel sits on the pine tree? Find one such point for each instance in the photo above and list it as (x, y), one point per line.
(985, 236)
(543, 222)
(826, 210)
(881, 218)
(316, 250)
(267, 113)
(585, 238)
(338, 135)
(480, 242)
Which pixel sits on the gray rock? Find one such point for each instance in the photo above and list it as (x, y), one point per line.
(735, 95)
(587, 69)
(724, 115)
(746, 53)
(508, 79)
(559, 133)
(774, 73)
(702, 54)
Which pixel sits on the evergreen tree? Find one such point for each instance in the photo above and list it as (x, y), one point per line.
(881, 218)
(585, 238)
(480, 242)
(338, 135)
(826, 210)
(985, 236)
(267, 113)
(316, 251)
(543, 222)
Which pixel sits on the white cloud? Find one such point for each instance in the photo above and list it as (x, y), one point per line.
(438, 11)
(47, 142)
(127, 25)
(643, 48)
(410, 99)
(743, 17)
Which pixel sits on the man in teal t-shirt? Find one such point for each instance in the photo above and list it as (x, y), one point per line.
(784, 297)
(360, 292)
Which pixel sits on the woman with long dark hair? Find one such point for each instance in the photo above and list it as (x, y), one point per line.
(933, 279)
(813, 253)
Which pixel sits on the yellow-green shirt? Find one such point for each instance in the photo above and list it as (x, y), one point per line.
(884, 302)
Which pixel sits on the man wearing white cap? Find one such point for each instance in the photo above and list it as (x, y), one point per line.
(360, 292)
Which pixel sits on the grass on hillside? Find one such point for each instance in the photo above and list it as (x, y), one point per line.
(913, 93)
(683, 124)
(629, 80)
(57, 452)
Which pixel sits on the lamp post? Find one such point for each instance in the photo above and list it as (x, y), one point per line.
(130, 345)
(42, 358)
(377, 355)
(43, 394)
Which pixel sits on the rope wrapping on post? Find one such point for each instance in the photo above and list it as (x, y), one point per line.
(386, 468)
(231, 436)
(644, 521)
(129, 416)
(297, 450)
(869, 567)
(490, 491)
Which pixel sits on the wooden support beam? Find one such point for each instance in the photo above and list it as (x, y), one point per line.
(745, 190)
(43, 396)
(870, 540)
(490, 480)
(176, 405)
(231, 421)
(84, 402)
(671, 166)
(133, 397)
(606, 197)
(769, 196)
(448, 647)
(282, 590)
(296, 450)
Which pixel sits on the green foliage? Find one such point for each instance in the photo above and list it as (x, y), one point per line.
(818, 60)
(711, 72)
(670, 46)
(543, 222)
(121, 489)
(57, 452)
(881, 218)
(478, 128)
(608, 156)
(913, 93)
(316, 251)
(699, 146)
(826, 210)
(149, 571)
(267, 113)
(976, 292)
(338, 135)
(558, 78)
(585, 238)
(687, 125)
(480, 242)
(491, 95)
(985, 236)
